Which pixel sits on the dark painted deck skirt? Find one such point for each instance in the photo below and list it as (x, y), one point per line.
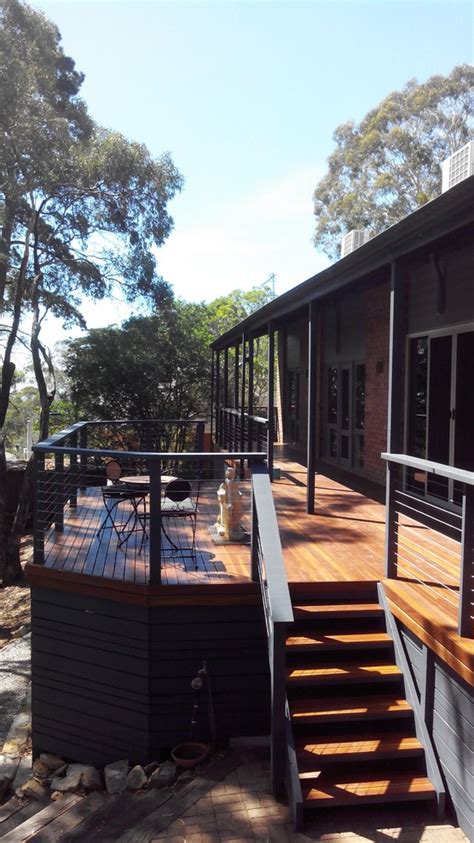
(112, 680)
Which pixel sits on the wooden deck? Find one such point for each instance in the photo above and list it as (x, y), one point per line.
(340, 548)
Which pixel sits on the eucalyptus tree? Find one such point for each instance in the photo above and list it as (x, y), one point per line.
(388, 165)
(81, 209)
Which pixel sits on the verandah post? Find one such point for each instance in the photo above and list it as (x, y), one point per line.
(242, 397)
(155, 522)
(394, 414)
(271, 399)
(465, 625)
(250, 404)
(311, 426)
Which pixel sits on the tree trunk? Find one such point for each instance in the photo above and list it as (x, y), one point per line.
(10, 566)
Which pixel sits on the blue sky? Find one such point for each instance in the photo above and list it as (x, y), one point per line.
(246, 97)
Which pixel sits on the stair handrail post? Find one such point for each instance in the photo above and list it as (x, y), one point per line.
(465, 621)
(278, 703)
(391, 528)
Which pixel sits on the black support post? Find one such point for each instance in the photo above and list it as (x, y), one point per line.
(250, 403)
(465, 625)
(155, 522)
(39, 511)
(242, 397)
(73, 474)
(271, 398)
(311, 426)
(218, 398)
(59, 492)
(212, 396)
(394, 415)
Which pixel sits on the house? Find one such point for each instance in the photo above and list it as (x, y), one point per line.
(350, 641)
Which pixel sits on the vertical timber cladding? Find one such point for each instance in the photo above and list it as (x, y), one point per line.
(450, 709)
(112, 680)
(232, 640)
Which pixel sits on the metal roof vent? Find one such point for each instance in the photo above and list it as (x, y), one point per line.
(459, 166)
(351, 241)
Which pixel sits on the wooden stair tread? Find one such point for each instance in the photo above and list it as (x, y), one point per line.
(343, 672)
(355, 639)
(333, 789)
(356, 745)
(335, 610)
(357, 708)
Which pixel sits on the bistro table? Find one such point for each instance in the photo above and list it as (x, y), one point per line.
(141, 482)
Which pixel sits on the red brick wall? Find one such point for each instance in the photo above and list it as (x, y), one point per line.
(376, 379)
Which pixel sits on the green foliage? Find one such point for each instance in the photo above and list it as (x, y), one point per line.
(82, 206)
(157, 366)
(388, 165)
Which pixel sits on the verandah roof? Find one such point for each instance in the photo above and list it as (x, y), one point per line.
(443, 215)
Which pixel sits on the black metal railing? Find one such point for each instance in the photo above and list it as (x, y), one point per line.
(243, 431)
(74, 528)
(428, 539)
(268, 568)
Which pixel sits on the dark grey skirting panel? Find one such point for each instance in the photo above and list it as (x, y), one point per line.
(112, 680)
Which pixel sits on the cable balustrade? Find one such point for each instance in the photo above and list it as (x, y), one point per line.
(430, 537)
(139, 501)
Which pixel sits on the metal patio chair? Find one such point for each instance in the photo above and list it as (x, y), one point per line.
(180, 502)
(116, 493)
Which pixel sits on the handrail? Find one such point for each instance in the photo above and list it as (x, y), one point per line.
(42, 447)
(77, 426)
(233, 412)
(449, 471)
(268, 567)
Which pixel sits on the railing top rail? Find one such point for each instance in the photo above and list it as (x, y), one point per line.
(47, 447)
(74, 428)
(277, 583)
(146, 421)
(439, 468)
(233, 412)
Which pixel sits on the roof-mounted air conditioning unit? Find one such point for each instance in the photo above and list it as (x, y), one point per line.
(459, 166)
(352, 240)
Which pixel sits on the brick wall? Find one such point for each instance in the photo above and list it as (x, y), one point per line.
(376, 379)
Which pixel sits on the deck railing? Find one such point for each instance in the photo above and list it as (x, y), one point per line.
(426, 532)
(70, 479)
(268, 568)
(243, 431)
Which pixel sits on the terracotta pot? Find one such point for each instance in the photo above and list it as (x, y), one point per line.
(189, 754)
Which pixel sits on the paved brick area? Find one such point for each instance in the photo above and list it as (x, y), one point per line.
(241, 810)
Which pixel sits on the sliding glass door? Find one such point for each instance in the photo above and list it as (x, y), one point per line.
(441, 407)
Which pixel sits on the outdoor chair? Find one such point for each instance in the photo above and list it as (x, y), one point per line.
(180, 504)
(116, 493)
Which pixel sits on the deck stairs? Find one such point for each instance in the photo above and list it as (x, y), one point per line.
(353, 729)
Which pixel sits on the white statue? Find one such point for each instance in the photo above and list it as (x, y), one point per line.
(229, 497)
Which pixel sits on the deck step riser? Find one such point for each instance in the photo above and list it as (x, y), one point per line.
(314, 804)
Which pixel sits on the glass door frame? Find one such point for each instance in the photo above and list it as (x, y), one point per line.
(452, 331)
(335, 427)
